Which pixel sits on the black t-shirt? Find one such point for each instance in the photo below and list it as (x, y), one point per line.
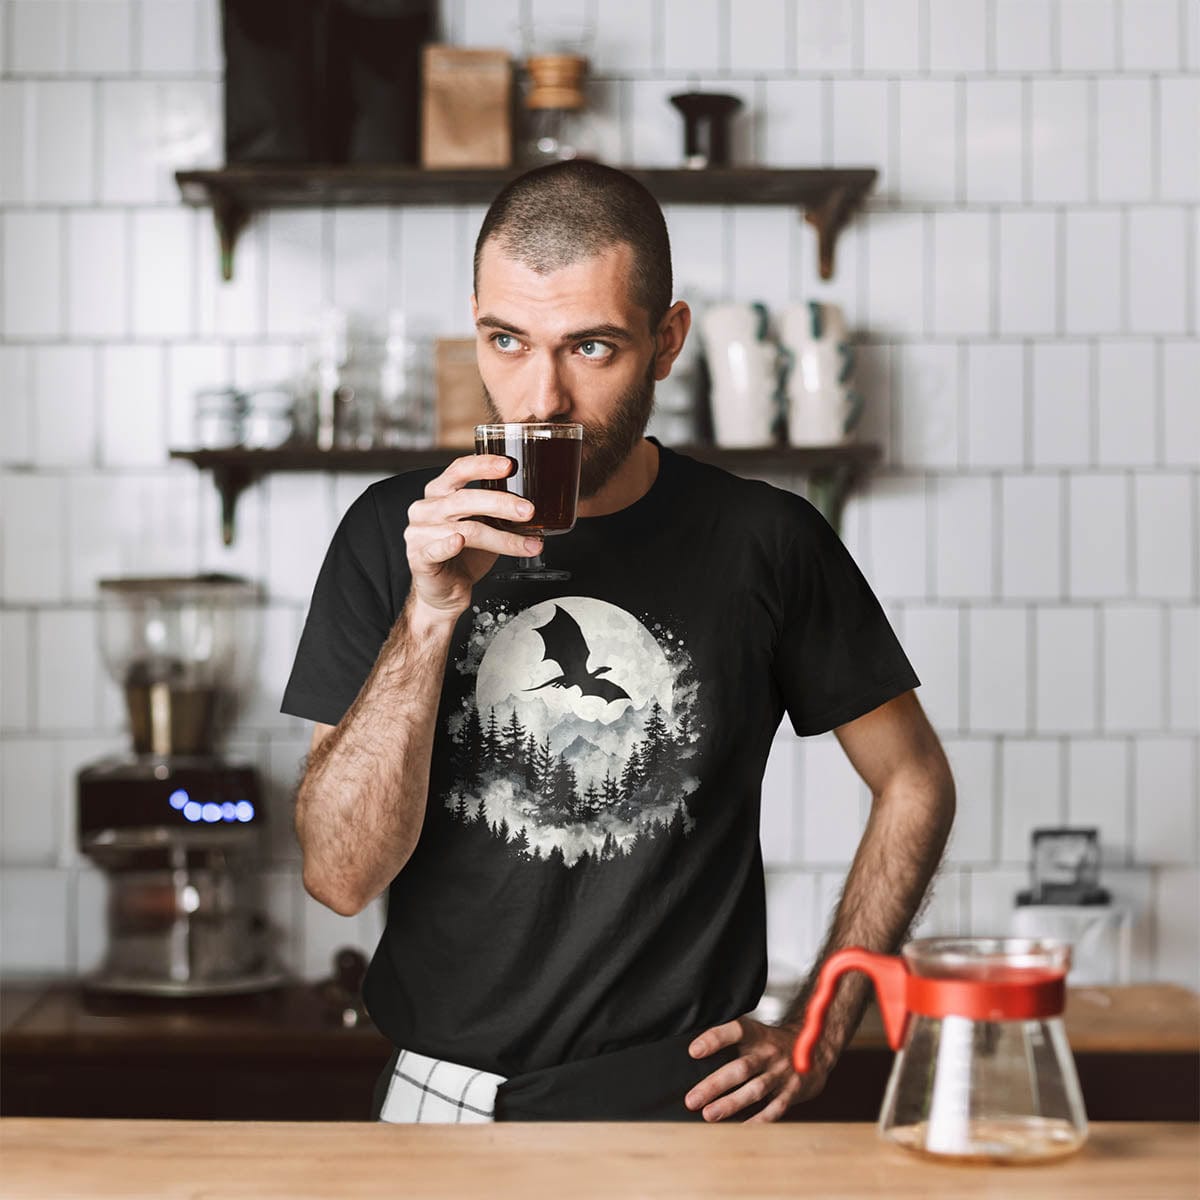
(589, 874)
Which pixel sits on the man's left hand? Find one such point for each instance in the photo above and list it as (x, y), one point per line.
(762, 1070)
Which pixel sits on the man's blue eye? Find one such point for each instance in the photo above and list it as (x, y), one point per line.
(594, 349)
(503, 339)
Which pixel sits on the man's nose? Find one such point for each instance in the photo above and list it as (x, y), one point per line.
(548, 397)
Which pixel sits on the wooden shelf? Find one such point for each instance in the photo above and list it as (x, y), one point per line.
(831, 470)
(827, 195)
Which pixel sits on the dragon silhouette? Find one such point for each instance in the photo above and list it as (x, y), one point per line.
(565, 645)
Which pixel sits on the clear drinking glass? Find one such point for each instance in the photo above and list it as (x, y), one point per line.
(546, 457)
(985, 1091)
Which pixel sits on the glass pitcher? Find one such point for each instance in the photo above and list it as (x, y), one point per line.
(984, 1072)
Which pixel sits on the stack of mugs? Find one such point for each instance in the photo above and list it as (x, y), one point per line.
(794, 386)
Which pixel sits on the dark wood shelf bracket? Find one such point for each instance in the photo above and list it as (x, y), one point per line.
(829, 218)
(231, 481)
(230, 219)
(828, 489)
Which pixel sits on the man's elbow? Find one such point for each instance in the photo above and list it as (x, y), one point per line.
(337, 899)
(943, 800)
(926, 787)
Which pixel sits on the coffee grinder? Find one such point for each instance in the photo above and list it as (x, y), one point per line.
(176, 826)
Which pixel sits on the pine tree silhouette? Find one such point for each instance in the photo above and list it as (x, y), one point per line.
(610, 792)
(640, 838)
(531, 763)
(481, 814)
(491, 741)
(520, 843)
(589, 804)
(472, 747)
(545, 770)
(564, 796)
(655, 742)
(631, 775)
(683, 734)
(678, 822)
(571, 789)
(514, 741)
(503, 832)
(460, 809)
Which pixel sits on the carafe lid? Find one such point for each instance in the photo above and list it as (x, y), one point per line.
(987, 959)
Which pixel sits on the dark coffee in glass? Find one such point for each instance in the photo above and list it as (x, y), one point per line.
(546, 457)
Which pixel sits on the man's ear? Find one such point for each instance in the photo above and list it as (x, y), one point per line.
(672, 333)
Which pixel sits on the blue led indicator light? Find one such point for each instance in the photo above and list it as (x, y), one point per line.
(178, 798)
(228, 811)
(245, 810)
(191, 810)
(211, 812)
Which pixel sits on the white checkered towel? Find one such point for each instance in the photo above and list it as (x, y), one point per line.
(433, 1089)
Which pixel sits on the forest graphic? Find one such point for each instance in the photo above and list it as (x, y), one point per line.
(577, 746)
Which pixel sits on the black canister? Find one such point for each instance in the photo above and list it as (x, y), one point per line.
(706, 118)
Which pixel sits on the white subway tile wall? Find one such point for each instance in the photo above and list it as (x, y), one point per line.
(1023, 286)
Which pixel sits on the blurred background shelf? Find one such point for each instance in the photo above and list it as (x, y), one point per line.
(828, 195)
(831, 470)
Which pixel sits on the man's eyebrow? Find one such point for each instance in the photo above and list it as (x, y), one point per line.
(619, 332)
(616, 332)
(491, 322)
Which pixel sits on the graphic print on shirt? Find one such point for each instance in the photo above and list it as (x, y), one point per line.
(576, 738)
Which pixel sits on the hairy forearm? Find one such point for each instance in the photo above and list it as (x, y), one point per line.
(361, 803)
(897, 857)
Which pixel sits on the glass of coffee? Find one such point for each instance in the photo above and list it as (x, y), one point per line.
(546, 457)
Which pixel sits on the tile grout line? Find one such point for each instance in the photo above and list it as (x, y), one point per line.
(1064, 779)
(1130, 803)
(1031, 713)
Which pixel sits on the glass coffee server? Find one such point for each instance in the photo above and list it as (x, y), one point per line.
(984, 1072)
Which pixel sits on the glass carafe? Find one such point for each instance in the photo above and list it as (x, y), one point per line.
(984, 1072)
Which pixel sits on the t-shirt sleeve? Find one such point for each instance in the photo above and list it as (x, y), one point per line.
(349, 619)
(837, 656)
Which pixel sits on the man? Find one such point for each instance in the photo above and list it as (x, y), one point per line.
(576, 916)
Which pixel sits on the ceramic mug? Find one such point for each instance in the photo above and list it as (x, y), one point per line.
(745, 365)
(822, 406)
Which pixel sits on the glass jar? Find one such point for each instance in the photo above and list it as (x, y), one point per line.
(267, 418)
(218, 418)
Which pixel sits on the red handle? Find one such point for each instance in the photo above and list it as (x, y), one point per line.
(890, 976)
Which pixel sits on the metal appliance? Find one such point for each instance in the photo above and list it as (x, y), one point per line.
(176, 826)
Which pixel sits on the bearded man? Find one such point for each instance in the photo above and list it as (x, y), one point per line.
(576, 919)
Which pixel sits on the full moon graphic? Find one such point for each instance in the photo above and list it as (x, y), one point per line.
(576, 736)
(517, 672)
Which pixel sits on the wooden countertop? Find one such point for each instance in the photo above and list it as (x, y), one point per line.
(281, 1022)
(183, 1160)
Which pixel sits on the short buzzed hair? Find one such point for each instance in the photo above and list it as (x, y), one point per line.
(558, 214)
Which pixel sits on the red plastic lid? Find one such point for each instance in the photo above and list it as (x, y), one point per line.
(995, 992)
(1017, 995)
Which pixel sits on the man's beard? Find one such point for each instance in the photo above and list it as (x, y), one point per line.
(607, 446)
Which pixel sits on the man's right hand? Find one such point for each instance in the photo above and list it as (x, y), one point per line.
(448, 553)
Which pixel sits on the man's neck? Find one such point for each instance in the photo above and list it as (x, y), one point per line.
(630, 482)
